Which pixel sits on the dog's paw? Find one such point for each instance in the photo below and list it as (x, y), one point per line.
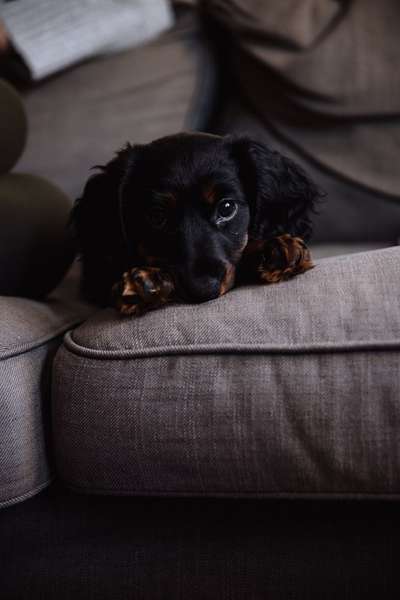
(284, 257)
(141, 290)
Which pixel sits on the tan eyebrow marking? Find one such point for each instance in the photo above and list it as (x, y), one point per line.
(228, 279)
(167, 197)
(209, 194)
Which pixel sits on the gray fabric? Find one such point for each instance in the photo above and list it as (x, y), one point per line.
(328, 250)
(30, 332)
(323, 72)
(81, 117)
(25, 323)
(24, 419)
(285, 389)
(348, 213)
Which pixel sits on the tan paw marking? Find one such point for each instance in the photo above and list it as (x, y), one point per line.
(285, 257)
(141, 290)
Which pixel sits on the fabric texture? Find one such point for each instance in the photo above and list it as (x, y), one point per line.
(30, 332)
(136, 96)
(51, 36)
(286, 389)
(347, 213)
(108, 548)
(321, 72)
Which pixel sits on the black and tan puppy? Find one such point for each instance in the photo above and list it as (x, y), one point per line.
(187, 217)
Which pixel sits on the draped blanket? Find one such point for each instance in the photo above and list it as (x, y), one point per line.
(325, 74)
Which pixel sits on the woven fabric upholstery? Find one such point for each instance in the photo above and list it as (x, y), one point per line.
(348, 213)
(30, 333)
(286, 389)
(144, 93)
(322, 76)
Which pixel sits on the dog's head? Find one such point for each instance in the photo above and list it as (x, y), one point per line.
(191, 203)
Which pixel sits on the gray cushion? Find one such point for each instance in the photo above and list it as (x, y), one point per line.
(30, 333)
(285, 389)
(93, 109)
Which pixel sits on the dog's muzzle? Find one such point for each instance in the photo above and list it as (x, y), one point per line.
(194, 285)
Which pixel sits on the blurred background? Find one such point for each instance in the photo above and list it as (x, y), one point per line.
(316, 79)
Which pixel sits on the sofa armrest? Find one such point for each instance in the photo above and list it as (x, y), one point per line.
(30, 333)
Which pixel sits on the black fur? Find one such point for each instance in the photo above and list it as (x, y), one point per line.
(118, 226)
(281, 195)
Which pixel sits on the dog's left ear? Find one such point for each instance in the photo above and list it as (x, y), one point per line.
(280, 194)
(97, 226)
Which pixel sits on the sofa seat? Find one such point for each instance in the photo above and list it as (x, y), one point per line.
(290, 389)
(30, 333)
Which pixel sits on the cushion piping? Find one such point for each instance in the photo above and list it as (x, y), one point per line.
(229, 348)
(27, 495)
(16, 350)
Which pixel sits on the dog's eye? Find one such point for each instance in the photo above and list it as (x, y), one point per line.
(226, 210)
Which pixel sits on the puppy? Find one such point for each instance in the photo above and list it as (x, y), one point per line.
(188, 216)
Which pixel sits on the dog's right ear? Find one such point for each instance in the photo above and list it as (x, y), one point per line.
(96, 226)
(281, 196)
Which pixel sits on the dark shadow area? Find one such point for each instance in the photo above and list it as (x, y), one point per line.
(63, 545)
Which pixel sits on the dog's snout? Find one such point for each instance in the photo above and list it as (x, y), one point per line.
(201, 281)
(208, 268)
(202, 289)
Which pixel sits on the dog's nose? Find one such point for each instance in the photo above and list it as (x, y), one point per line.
(202, 280)
(202, 289)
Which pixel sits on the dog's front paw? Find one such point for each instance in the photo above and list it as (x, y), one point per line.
(141, 290)
(284, 257)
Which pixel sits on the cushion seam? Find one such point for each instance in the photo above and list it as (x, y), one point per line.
(17, 350)
(233, 493)
(26, 495)
(229, 348)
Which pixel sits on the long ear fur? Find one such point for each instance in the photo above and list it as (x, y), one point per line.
(95, 220)
(280, 194)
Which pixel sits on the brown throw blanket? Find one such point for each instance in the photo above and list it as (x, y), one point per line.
(326, 75)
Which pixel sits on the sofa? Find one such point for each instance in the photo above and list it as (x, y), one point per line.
(246, 447)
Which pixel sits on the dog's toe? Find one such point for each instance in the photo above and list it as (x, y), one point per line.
(141, 290)
(286, 257)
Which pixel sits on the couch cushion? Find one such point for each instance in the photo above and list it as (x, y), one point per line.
(30, 333)
(284, 389)
(153, 90)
